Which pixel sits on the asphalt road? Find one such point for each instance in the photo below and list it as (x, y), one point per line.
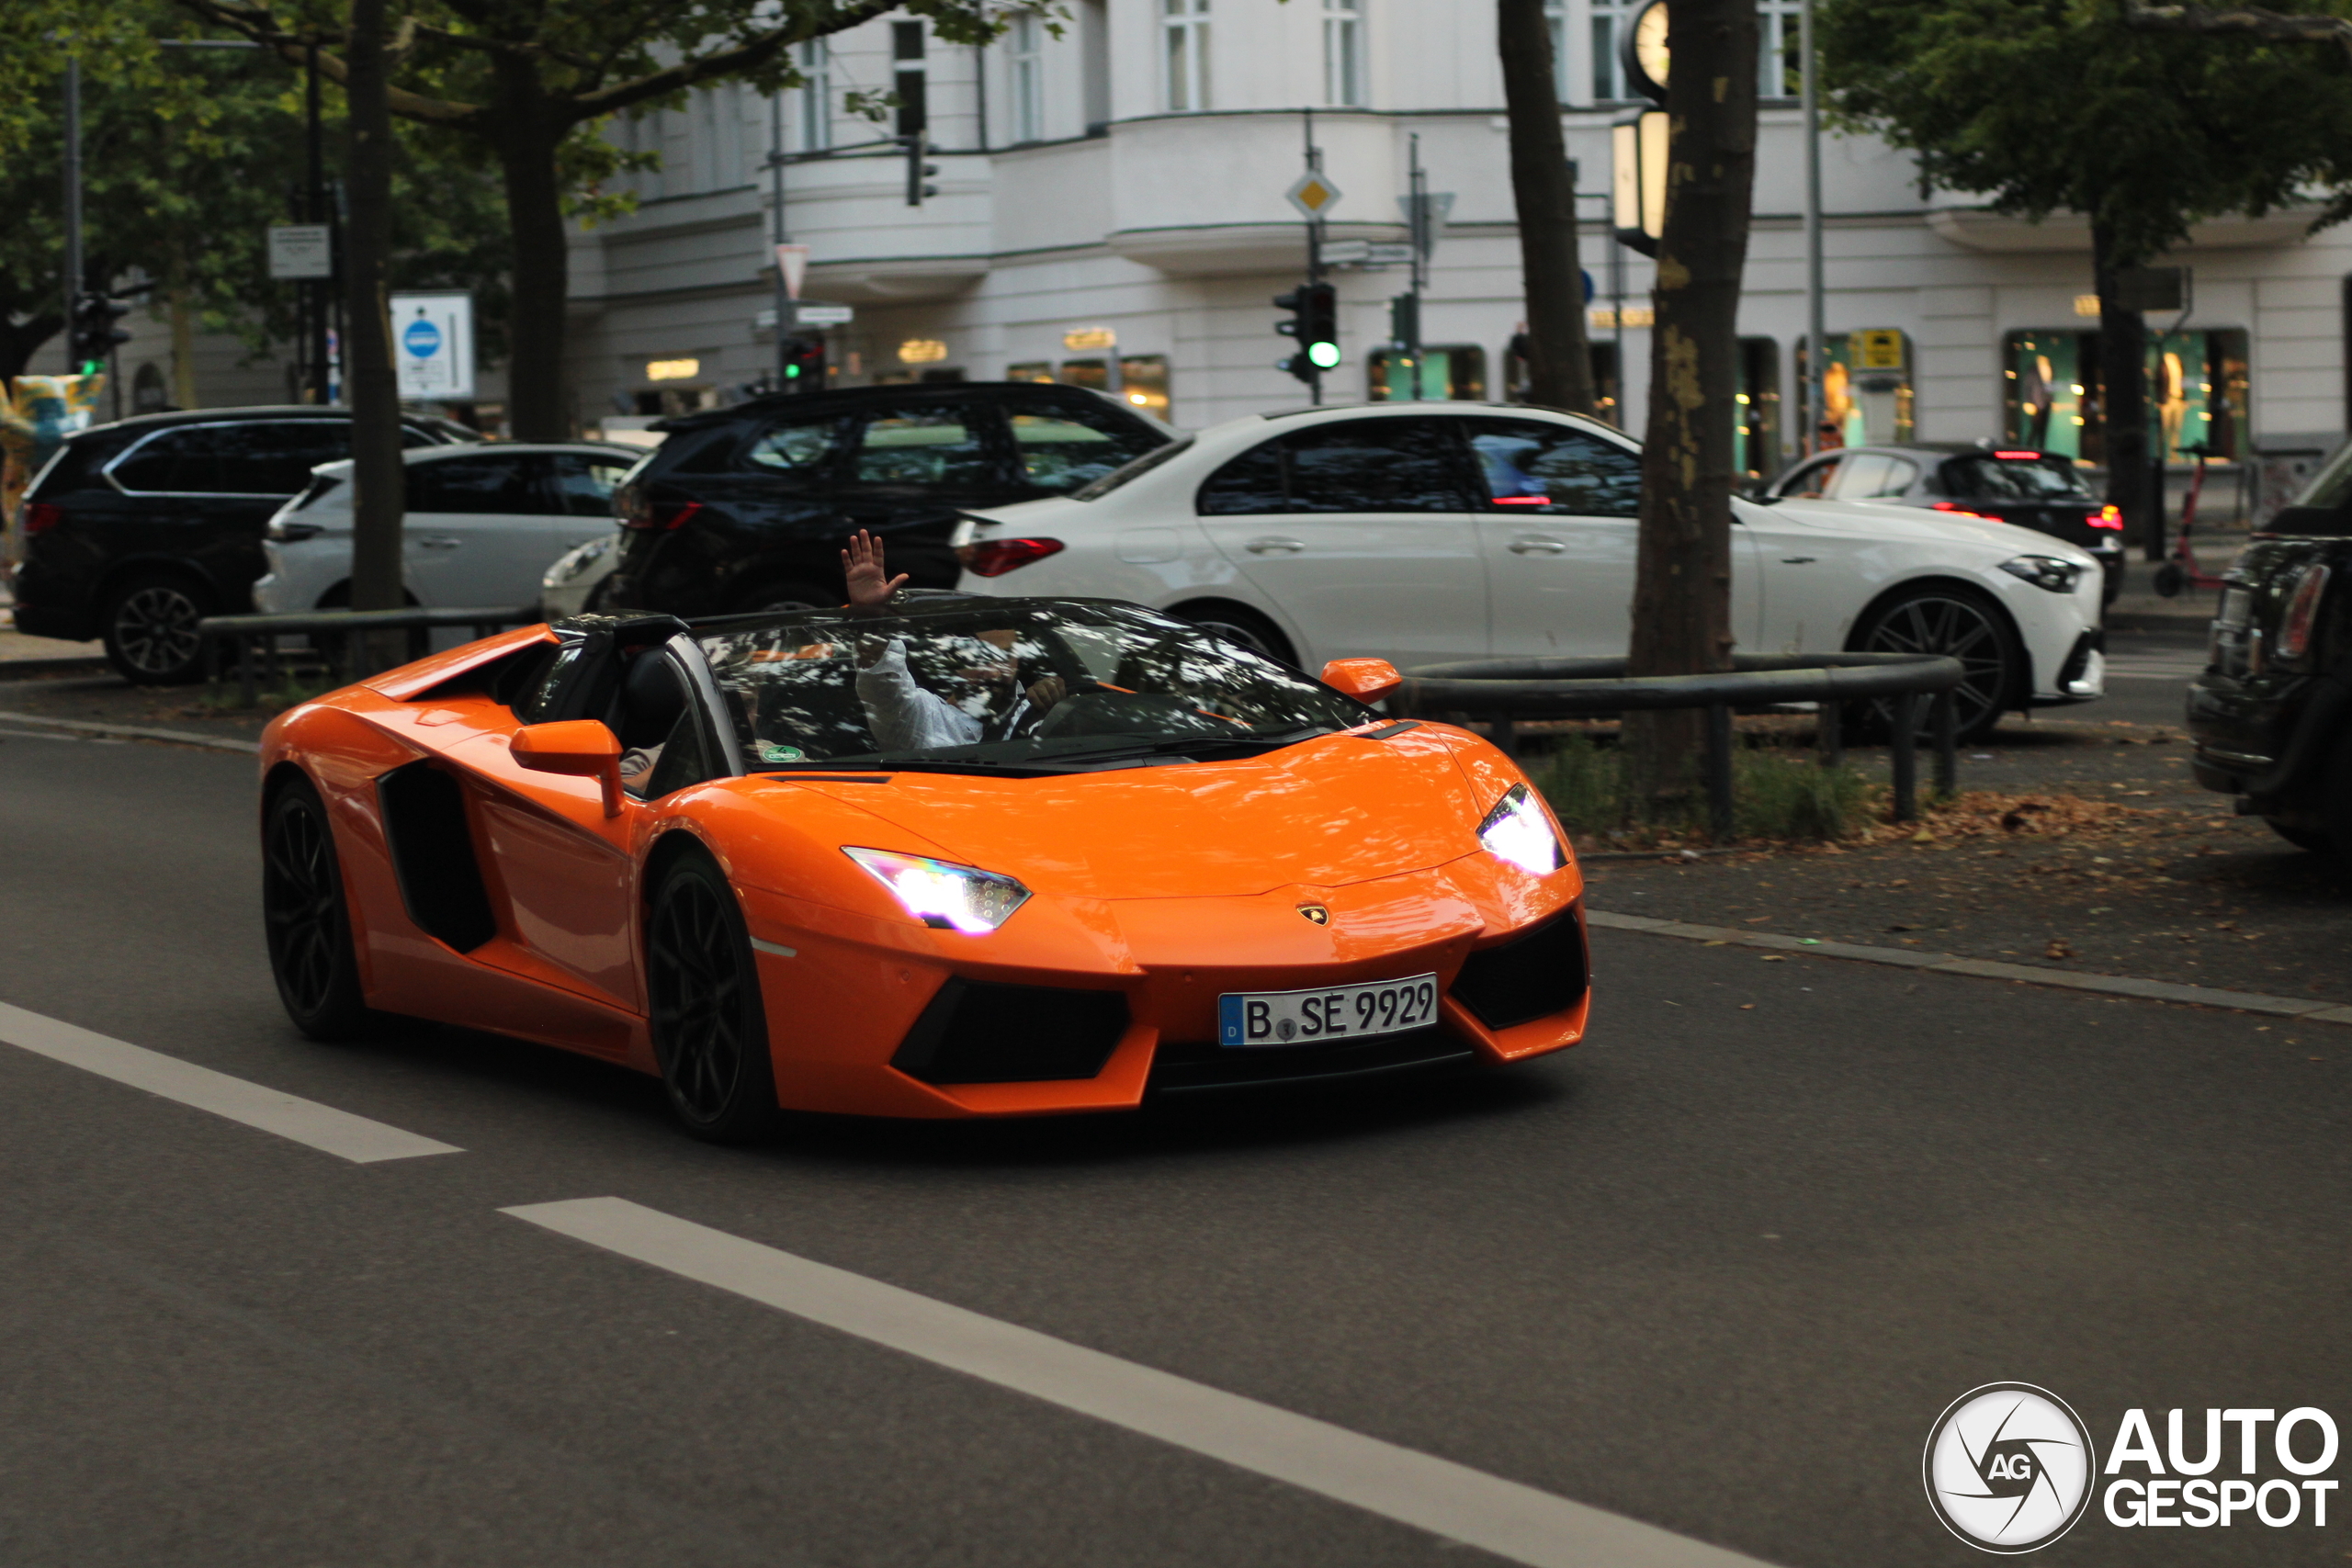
(1717, 1271)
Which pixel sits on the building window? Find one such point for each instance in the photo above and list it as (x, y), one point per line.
(1610, 20)
(1185, 24)
(1093, 374)
(1779, 64)
(1866, 393)
(1343, 52)
(1756, 410)
(1455, 371)
(1028, 80)
(1142, 383)
(1034, 370)
(816, 97)
(2197, 393)
(908, 78)
(1555, 22)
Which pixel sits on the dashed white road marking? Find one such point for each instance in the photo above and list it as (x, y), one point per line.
(1512, 1520)
(322, 1127)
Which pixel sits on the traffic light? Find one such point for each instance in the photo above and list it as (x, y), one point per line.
(918, 171)
(93, 334)
(1314, 323)
(804, 365)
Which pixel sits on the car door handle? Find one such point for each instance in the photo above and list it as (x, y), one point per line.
(437, 542)
(1798, 561)
(1536, 545)
(1267, 546)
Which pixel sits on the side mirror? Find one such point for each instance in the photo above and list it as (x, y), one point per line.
(581, 747)
(1366, 680)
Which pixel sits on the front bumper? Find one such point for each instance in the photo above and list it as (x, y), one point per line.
(2265, 739)
(856, 1011)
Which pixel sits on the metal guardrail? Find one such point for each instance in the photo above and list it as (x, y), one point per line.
(250, 632)
(1506, 691)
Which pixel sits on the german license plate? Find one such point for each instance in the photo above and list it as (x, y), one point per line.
(1327, 1013)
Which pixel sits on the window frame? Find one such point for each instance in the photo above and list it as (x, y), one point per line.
(1483, 499)
(1344, 54)
(1184, 38)
(1025, 70)
(132, 451)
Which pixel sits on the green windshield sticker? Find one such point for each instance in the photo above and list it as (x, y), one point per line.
(772, 752)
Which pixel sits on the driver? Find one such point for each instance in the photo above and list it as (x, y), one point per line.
(903, 715)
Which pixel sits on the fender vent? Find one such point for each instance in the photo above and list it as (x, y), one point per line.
(976, 1032)
(1533, 975)
(432, 855)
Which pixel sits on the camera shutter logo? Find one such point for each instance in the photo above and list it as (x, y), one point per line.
(2008, 1468)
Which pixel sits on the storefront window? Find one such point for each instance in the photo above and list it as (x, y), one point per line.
(1455, 371)
(1143, 383)
(1866, 392)
(2197, 393)
(1756, 427)
(1036, 371)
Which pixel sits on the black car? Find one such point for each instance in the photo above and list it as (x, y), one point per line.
(2042, 490)
(2272, 713)
(747, 508)
(137, 530)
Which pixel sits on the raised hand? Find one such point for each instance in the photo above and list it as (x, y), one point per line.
(862, 571)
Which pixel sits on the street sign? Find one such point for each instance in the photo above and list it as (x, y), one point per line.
(810, 314)
(793, 262)
(433, 345)
(1878, 348)
(299, 252)
(1312, 195)
(1366, 253)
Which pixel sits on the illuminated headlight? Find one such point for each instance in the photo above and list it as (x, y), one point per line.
(2045, 571)
(943, 894)
(1517, 831)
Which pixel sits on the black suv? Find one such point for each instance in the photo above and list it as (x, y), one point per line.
(137, 530)
(747, 508)
(2042, 490)
(2272, 713)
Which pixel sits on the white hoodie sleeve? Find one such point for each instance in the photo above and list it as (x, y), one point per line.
(902, 715)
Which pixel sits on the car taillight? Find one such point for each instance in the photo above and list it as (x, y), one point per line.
(2295, 626)
(41, 516)
(994, 557)
(1964, 511)
(656, 520)
(2106, 517)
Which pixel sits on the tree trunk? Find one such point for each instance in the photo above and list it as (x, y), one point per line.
(1682, 578)
(376, 470)
(525, 135)
(1559, 361)
(2123, 402)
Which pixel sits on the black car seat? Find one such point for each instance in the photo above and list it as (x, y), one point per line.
(652, 697)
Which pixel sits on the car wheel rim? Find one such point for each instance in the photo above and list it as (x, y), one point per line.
(1935, 624)
(1248, 637)
(299, 905)
(697, 985)
(155, 629)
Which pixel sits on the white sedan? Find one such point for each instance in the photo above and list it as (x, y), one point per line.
(484, 526)
(1423, 533)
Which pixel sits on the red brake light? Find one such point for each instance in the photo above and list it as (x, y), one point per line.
(639, 515)
(2106, 517)
(994, 557)
(2031, 455)
(41, 516)
(2295, 626)
(1962, 511)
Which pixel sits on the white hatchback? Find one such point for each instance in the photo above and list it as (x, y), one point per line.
(484, 526)
(1424, 533)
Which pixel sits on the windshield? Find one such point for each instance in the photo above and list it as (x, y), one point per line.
(1998, 478)
(1136, 469)
(1022, 685)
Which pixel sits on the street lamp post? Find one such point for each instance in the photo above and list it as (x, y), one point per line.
(1816, 341)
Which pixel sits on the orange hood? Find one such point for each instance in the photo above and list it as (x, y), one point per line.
(1323, 814)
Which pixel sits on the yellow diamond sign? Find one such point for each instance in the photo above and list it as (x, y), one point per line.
(1312, 195)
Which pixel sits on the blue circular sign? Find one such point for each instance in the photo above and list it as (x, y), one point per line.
(423, 339)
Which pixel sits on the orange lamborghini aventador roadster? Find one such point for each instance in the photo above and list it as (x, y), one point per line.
(970, 857)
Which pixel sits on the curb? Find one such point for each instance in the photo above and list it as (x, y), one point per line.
(40, 669)
(138, 733)
(2298, 1008)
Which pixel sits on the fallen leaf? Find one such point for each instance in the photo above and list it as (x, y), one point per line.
(2059, 948)
(1776, 958)
(1747, 1007)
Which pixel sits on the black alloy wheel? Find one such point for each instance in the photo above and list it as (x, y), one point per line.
(150, 637)
(305, 918)
(709, 1029)
(1957, 622)
(1236, 623)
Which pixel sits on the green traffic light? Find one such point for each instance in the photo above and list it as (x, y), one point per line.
(792, 373)
(1323, 355)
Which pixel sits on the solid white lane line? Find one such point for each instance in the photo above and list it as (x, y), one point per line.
(1446, 1499)
(355, 1138)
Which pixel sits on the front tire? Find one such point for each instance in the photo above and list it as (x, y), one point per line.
(1963, 623)
(2303, 838)
(709, 1026)
(306, 920)
(149, 630)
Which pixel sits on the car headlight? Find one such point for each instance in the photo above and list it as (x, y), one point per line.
(1517, 831)
(2045, 571)
(941, 892)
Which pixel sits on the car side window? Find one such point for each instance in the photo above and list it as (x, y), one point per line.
(1863, 475)
(801, 446)
(1534, 467)
(1813, 483)
(934, 447)
(276, 456)
(1061, 447)
(1384, 465)
(585, 484)
(499, 484)
(177, 461)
